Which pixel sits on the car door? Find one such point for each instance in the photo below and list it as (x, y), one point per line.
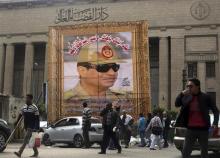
(96, 131)
(57, 130)
(72, 127)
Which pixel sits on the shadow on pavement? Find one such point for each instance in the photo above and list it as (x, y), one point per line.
(211, 155)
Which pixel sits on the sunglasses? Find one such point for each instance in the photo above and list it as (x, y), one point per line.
(104, 67)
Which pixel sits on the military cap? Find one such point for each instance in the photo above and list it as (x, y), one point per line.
(98, 53)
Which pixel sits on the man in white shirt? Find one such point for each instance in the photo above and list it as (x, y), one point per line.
(126, 128)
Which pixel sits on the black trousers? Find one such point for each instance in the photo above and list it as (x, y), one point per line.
(165, 137)
(86, 135)
(126, 135)
(190, 139)
(107, 135)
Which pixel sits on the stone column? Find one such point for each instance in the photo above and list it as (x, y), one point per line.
(201, 67)
(163, 72)
(2, 56)
(46, 63)
(177, 65)
(218, 76)
(28, 68)
(9, 69)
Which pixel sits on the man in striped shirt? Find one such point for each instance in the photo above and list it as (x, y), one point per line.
(86, 124)
(30, 114)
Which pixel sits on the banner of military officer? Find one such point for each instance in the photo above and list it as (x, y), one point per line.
(98, 63)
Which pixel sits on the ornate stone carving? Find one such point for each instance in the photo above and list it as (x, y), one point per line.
(200, 10)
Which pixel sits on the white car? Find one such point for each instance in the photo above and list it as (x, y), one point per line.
(69, 130)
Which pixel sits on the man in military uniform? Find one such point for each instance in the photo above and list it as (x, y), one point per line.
(97, 65)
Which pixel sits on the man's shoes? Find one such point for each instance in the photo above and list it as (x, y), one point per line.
(165, 146)
(101, 152)
(111, 148)
(35, 155)
(17, 154)
(119, 151)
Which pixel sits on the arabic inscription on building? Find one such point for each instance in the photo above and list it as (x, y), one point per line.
(89, 14)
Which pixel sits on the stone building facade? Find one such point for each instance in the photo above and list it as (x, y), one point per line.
(183, 36)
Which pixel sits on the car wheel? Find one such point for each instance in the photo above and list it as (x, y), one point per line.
(46, 140)
(216, 151)
(3, 139)
(78, 141)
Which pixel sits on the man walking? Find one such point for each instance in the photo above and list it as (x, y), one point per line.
(86, 124)
(194, 115)
(126, 128)
(30, 114)
(156, 127)
(110, 124)
(166, 128)
(141, 129)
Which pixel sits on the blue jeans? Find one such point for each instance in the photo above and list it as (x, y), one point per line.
(142, 136)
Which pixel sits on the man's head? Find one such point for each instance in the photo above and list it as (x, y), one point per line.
(85, 104)
(109, 105)
(141, 115)
(155, 113)
(101, 76)
(29, 99)
(97, 65)
(124, 112)
(193, 86)
(164, 114)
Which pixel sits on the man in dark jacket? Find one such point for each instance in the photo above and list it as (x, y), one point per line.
(30, 113)
(110, 122)
(194, 115)
(166, 128)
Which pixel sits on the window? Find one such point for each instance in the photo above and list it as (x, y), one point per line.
(72, 121)
(18, 76)
(210, 69)
(38, 69)
(213, 96)
(1, 110)
(192, 70)
(61, 123)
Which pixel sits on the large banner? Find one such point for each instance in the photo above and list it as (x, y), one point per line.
(98, 63)
(98, 69)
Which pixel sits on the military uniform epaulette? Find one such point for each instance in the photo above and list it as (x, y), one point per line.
(68, 94)
(116, 92)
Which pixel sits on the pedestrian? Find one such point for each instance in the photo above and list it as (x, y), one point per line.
(117, 108)
(166, 128)
(86, 124)
(141, 129)
(126, 128)
(156, 128)
(148, 133)
(110, 123)
(194, 115)
(30, 114)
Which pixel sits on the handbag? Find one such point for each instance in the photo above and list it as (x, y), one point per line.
(156, 130)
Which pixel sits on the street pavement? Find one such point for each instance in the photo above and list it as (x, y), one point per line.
(61, 151)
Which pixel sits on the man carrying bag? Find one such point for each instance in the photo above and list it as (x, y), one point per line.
(156, 128)
(30, 113)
